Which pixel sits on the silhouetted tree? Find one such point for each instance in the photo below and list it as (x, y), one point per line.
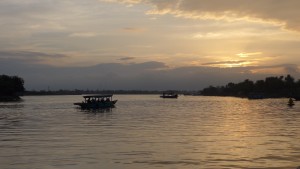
(212, 91)
(271, 87)
(11, 85)
(259, 86)
(289, 81)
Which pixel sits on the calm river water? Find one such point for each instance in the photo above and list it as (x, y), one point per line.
(145, 132)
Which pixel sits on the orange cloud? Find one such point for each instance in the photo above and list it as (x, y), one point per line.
(283, 13)
(132, 29)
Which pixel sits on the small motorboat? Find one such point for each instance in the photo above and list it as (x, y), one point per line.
(97, 102)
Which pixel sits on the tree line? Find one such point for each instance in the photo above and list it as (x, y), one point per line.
(271, 87)
(11, 87)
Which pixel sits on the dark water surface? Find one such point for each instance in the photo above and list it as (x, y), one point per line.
(145, 132)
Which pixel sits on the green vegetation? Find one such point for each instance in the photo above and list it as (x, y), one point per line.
(271, 87)
(11, 87)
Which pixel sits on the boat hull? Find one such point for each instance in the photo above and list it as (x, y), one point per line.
(97, 105)
(169, 96)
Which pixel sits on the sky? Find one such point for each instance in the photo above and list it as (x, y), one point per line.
(147, 44)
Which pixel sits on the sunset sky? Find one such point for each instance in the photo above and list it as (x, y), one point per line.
(147, 44)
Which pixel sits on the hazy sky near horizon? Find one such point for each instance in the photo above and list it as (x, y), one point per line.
(241, 38)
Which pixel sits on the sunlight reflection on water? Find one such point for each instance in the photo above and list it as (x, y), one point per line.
(145, 131)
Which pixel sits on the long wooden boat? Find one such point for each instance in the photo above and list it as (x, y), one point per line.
(97, 102)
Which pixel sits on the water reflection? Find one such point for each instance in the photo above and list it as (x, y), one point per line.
(11, 115)
(11, 106)
(95, 111)
(98, 116)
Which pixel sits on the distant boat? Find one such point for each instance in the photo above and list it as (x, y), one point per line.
(291, 102)
(170, 95)
(97, 102)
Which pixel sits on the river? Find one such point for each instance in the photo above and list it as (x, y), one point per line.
(146, 132)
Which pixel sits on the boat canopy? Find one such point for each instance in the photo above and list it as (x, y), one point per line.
(98, 96)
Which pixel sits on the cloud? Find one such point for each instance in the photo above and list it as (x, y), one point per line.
(245, 55)
(77, 32)
(83, 34)
(283, 13)
(123, 1)
(141, 76)
(127, 58)
(133, 29)
(30, 56)
(24, 8)
(238, 62)
(292, 69)
(230, 63)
